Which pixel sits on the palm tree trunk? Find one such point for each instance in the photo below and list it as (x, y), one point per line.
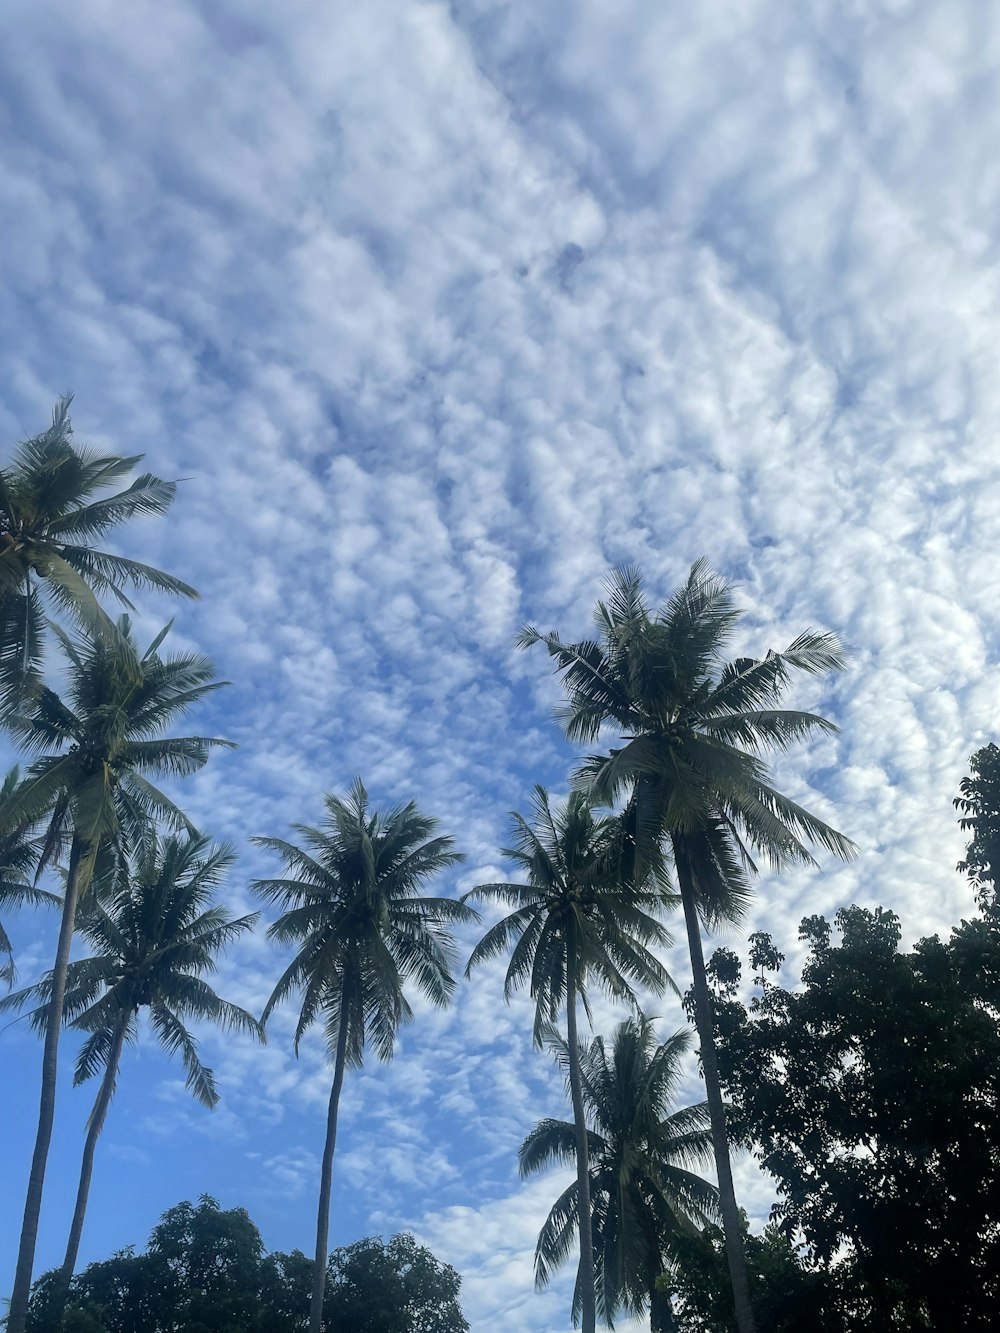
(735, 1253)
(588, 1293)
(661, 1309)
(326, 1174)
(47, 1102)
(94, 1128)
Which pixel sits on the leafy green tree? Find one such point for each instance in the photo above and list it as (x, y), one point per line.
(100, 744)
(872, 1094)
(693, 727)
(394, 1286)
(979, 804)
(582, 917)
(200, 1273)
(360, 930)
(643, 1197)
(155, 933)
(205, 1271)
(19, 852)
(51, 510)
(789, 1295)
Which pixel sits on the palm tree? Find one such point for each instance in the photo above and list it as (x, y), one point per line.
(642, 1192)
(19, 852)
(350, 907)
(155, 934)
(48, 517)
(99, 741)
(584, 915)
(693, 726)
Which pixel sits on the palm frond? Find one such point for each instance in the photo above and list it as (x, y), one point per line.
(176, 1039)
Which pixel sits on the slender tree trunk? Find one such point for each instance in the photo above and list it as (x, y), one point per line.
(588, 1292)
(326, 1174)
(735, 1253)
(96, 1124)
(78, 858)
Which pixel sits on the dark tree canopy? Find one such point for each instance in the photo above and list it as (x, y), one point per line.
(394, 1286)
(788, 1295)
(871, 1094)
(205, 1270)
(979, 806)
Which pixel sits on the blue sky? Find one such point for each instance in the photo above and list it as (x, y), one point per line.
(443, 310)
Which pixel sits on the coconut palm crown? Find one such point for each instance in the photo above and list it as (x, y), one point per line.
(51, 511)
(582, 918)
(642, 1188)
(360, 933)
(693, 727)
(155, 933)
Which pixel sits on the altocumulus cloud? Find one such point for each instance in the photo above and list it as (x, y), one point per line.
(443, 309)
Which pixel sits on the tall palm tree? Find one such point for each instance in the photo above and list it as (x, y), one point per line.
(642, 1191)
(100, 743)
(51, 510)
(360, 930)
(583, 916)
(19, 852)
(155, 933)
(693, 727)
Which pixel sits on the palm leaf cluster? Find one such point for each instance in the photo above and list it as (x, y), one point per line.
(643, 1189)
(581, 918)
(155, 933)
(351, 905)
(100, 743)
(589, 913)
(19, 851)
(693, 726)
(52, 510)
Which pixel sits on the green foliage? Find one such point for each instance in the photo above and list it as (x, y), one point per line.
(51, 510)
(788, 1296)
(154, 934)
(979, 803)
(587, 914)
(351, 906)
(693, 726)
(100, 742)
(395, 1286)
(872, 1095)
(20, 848)
(582, 916)
(361, 931)
(692, 729)
(643, 1195)
(205, 1271)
